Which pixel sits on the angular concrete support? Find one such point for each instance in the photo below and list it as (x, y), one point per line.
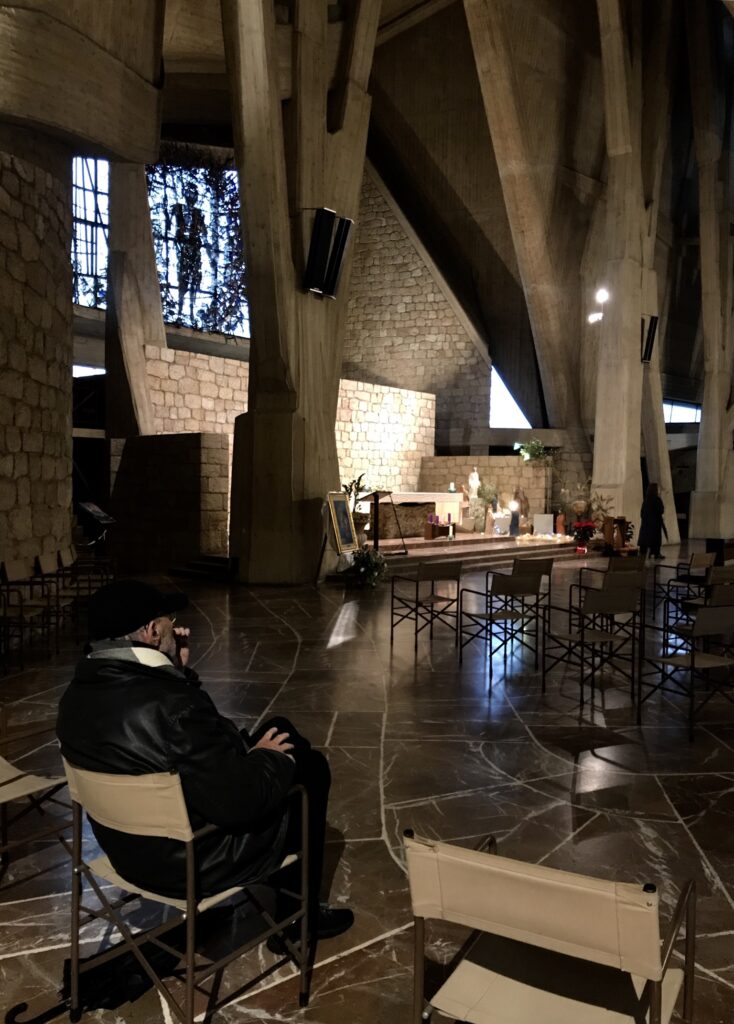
(527, 217)
(616, 472)
(134, 313)
(285, 457)
(714, 438)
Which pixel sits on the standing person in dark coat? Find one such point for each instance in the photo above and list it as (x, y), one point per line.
(135, 707)
(652, 526)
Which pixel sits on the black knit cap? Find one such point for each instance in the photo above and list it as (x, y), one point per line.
(126, 605)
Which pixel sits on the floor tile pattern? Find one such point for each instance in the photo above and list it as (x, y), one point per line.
(413, 741)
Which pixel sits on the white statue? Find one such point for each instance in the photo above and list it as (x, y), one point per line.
(474, 483)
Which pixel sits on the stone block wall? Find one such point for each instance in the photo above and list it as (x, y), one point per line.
(35, 345)
(506, 472)
(170, 497)
(401, 329)
(191, 391)
(572, 466)
(384, 433)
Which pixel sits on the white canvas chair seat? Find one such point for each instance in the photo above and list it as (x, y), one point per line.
(101, 866)
(703, 661)
(481, 995)
(591, 636)
(16, 784)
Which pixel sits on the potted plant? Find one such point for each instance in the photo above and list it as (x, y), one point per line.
(583, 531)
(533, 450)
(368, 567)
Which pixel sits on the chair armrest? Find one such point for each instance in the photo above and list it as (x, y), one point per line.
(683, 907)
(405, 579)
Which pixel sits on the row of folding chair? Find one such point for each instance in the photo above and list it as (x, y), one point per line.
(38, 594)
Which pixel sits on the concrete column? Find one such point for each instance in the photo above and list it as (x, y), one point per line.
(134, 314)
(35, 344)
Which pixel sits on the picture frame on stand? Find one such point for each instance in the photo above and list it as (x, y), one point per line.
(341, 517)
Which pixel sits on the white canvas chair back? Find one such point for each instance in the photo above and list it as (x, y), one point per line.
(701, 560)
(617, 579)
(66, 559)
(714, 620)
(142, 805)
(436, 571)
(631, 563)
(525, 585)
(532, 567)
(609, 923)
(720, 574)
(617, 600)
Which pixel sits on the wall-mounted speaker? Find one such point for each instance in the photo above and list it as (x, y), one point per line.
(329, 240)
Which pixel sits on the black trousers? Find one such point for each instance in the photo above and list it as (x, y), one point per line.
(312, 772)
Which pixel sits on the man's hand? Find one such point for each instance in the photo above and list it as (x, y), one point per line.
(274, 740)
(181, 636)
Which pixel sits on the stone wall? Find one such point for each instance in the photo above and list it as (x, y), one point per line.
(401, 329)
(571, 468)
(383, 433)
(170, 498)
(35, 345)
(191, 391)
(506, 472)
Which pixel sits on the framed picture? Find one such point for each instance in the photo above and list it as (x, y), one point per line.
(341, 517)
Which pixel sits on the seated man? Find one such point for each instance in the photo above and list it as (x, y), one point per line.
(134, 707)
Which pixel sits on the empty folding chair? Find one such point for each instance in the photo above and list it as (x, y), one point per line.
(415, 598)
(605, 629)
(26, 607)
(510, 611)
(547, 946)
(705, 646)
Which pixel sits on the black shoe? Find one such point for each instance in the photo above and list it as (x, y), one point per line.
(658, 558)
(332, 921)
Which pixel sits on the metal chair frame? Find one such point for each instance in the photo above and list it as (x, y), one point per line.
(512, 605)
(685, 912)
(194, 975)
(595, 624)
(710, 622)
(422, 609)
(26, 604)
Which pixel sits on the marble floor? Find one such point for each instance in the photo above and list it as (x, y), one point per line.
(413, 741)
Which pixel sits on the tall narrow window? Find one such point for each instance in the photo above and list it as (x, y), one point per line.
(91, 222)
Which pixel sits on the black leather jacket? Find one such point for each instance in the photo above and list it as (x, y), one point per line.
(125, 717)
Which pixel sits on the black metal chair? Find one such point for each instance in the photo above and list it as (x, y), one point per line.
(411, 602)
(608, 625)
(702, 647)
(510, 611)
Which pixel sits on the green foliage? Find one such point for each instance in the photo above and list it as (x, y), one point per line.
(353, 489)
(533, 450)
(487, 494)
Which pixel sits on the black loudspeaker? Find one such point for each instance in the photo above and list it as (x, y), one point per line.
(329, 239)
(649, 339)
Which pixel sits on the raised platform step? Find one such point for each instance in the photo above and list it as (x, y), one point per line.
(477, 553)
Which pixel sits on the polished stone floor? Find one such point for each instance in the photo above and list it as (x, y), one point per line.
(413, 741)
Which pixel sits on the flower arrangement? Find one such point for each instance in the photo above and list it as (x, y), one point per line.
(368, 567)
(583, 531)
